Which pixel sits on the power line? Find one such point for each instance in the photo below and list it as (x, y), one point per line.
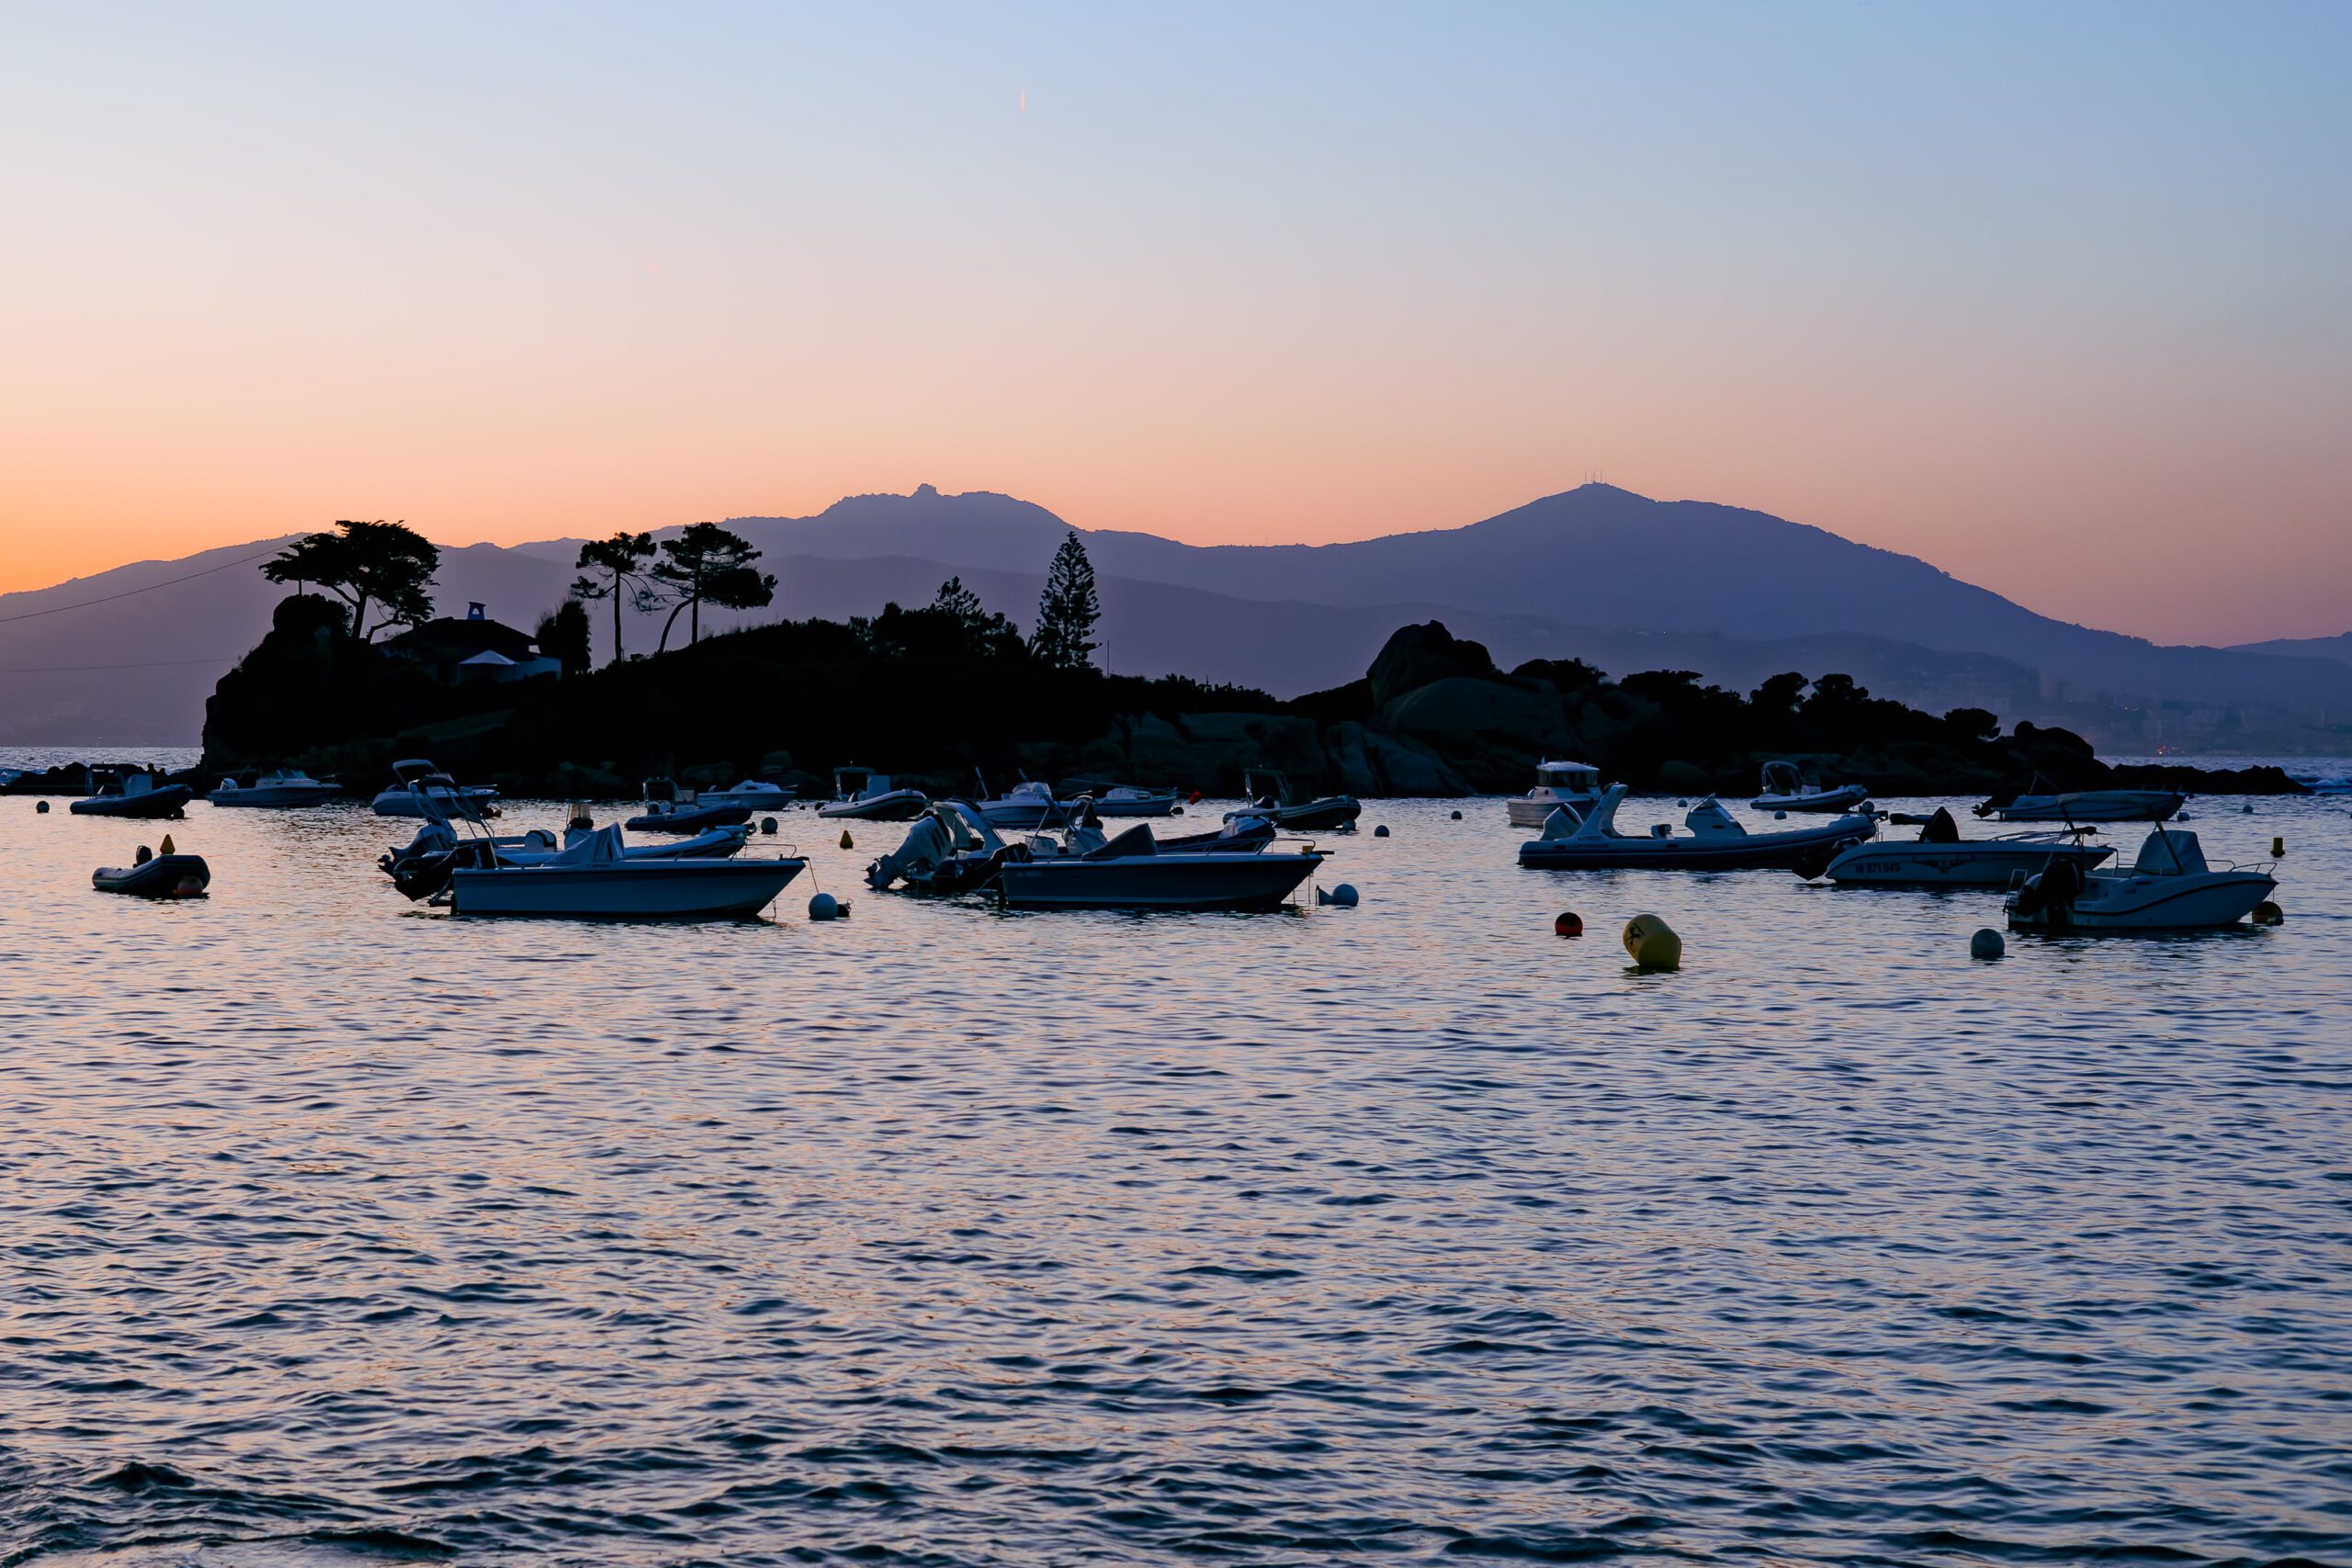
(157, 664)
(111, 598)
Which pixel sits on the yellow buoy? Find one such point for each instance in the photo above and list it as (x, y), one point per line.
(845, 843)
(1652, 942)
(167, 845)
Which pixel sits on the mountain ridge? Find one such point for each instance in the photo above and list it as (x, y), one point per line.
(1595, 571)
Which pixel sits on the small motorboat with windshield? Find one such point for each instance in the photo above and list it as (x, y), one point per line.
(862, 795)
(1714, 842)
(1787, 789)
(2169, 887)
(1023, 808)
(953, 850)
(282, 789)
(596, 878)
(751, 794)
(2087, 805)
(1939, 857)
(1267, 793)
(420, 789)
(1573, 784)
(135, 795)
(421, 867)
(595, 875)
(1133, 871)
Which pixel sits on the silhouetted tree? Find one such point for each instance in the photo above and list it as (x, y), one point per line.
(388, 564)
(954, 599)
(1974, 723)
(706, 564)
(1777, 697)
(1068, 610)
(618, 564)
(563, 635)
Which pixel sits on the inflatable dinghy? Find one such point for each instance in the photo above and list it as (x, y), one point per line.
(161, 876)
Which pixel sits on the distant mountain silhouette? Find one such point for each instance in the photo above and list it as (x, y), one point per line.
(2336, 647)
(1596, 573)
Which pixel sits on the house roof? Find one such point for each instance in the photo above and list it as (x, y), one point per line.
(449, 641)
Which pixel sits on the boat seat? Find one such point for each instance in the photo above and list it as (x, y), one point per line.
(1135, 841)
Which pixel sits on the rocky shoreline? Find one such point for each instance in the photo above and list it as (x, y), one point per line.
(1432, 717)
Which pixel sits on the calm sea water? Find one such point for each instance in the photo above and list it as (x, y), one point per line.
(335, 1230)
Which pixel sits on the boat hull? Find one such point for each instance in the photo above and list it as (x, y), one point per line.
(276, 798)
(1985, 864)
(1842, 799)
(898, 806)
(407, 803)
(1332, 811)
(165, 876)
(1534, 811)
(1024, 816)
(1751, 851)
(1160, 804)
(689, 821)
(2209, 902)
(1200, 881)
(171, 800)
(625, 890)
(2092, 805)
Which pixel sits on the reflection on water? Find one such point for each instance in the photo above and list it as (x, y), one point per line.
(338, 1228)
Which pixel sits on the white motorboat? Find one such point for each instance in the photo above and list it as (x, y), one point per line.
(2168, 888)
(2088, 805)
(863, 795)
(1939, 857)
(1133, 872)
(750, 794)
(1715, 842)
(423, 866)
(1026, 807)
(1576, 785)
(595, 878)
(420, 789)
(1786, 789)
(284, 789)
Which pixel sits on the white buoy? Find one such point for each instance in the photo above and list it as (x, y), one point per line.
(824, 906)
(767, 825)
(1780, 817)
(1380, 831)
(1344, 895)
(1987, 943)
(1457, 817)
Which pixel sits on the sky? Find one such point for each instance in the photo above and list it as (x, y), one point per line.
(2058, 297)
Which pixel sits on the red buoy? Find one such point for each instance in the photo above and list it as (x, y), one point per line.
(1570, 924)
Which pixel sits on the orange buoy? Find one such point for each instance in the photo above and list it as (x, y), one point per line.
(1570, 924)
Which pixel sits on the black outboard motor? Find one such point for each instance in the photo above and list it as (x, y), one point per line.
(2050, 893)
(1816, 861)
(424, 865)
